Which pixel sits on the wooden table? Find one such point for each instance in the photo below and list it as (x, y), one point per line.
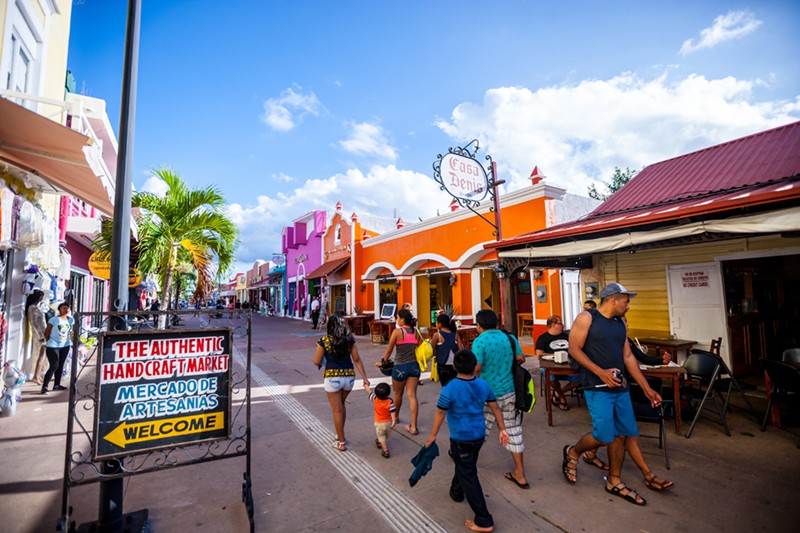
(358, 324)
(672, 346)
(672, 372)
(521, 317)
(377, 328)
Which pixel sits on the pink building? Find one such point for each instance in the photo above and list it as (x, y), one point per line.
(302, 244)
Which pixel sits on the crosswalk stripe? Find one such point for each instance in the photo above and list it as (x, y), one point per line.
(403, 515)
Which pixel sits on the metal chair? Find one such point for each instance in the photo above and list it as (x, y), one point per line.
(785, 379)
(703, 369)
(727, 383)
(645, 412)
(792, 355)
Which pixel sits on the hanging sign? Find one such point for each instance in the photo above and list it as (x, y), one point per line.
(464, 177)
(99, 268)
(161, 389)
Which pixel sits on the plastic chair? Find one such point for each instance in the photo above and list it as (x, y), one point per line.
(645, 412)
(785, 380)
(703, 368)
(792, 355)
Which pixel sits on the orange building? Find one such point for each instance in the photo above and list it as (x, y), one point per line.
(441, 263)
(341, 261)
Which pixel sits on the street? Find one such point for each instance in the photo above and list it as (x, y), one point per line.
(746, 482)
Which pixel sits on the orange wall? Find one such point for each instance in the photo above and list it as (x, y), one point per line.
(454, 239)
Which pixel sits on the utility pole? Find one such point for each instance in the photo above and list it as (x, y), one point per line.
(110, 516)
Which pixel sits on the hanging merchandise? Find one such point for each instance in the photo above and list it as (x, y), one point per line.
(65, 263)
(13, 379)
(31, 277)
(30, 226)
(6, 210)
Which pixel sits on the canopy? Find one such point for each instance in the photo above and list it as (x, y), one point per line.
(329, 267)
(51, 152)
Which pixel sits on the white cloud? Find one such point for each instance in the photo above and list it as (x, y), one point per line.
(368, 140)
(578, 133)
(733, 25)
(376, 193)
(284, 113)
(285, 178)
(155, 186)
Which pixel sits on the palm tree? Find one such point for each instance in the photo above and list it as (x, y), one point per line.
(184, 226)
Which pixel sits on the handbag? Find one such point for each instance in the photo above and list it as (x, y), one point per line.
(524, 393)
(424, 353)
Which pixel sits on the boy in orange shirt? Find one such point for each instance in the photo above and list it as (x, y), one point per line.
(385, 415)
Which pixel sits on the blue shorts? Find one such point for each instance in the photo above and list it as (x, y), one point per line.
(572, 378)
(612, 415)
(404, 371)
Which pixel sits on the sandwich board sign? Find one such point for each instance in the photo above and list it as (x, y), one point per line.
(161, 389)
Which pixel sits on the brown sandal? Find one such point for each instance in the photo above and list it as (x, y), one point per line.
(653, 482)
(595, 462)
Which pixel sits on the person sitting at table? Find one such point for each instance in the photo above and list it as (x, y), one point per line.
(548, 343)
(652, 481)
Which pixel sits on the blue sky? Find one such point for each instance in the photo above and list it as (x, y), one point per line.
(289, 106)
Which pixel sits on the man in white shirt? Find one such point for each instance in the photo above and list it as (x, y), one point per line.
(314, 312)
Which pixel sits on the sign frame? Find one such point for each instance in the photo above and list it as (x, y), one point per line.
(470, 174)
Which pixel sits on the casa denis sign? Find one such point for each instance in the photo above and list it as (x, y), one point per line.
(463, 177)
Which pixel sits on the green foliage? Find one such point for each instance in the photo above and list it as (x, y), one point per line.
(619, 179)
(185, 227)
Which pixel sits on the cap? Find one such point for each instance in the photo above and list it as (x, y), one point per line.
(615, 288)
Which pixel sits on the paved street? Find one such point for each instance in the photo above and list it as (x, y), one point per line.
(746, 482)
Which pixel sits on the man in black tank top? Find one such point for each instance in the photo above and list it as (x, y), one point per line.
(598, 342)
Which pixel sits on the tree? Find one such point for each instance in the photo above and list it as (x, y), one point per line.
(184, 226)
(619, 179)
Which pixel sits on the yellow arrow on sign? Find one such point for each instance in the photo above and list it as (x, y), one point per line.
(126, 433)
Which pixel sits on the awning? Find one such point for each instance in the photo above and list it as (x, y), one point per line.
(51, 152)
(328, 268)
(784, 220)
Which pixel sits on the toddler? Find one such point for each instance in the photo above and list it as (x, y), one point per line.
(385, 415)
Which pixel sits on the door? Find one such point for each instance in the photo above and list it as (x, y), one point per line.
(570, 296)
(696, 304)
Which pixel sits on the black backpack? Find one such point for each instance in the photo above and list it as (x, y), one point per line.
(524, 394)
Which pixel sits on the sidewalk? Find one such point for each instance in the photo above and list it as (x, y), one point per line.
(746, 482)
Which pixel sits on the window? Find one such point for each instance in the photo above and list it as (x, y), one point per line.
(337, 238)
(21, 62)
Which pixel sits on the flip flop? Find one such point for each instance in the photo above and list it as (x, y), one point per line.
(385, 454)
(408, 429)
(509, 476)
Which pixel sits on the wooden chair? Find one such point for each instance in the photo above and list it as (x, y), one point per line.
(527, 324)
(716, 344)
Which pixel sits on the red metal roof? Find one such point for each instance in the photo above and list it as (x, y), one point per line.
(756, 159)
(753, 170)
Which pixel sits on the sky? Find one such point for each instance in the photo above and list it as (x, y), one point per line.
(294, 105)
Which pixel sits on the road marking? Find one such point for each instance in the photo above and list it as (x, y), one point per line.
(402, 515)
